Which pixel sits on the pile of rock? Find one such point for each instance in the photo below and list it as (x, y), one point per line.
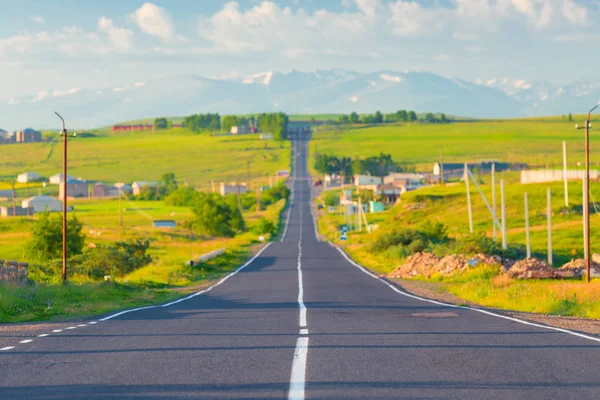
(576, 268)
(530, 268)
(427, 264)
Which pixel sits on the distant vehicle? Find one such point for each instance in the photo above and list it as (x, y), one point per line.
(318, 182)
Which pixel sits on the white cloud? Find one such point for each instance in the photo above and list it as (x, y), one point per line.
(574, 13)
(38, 19)
(120, 37)
(41, 95)
(59, 93)
(154, 21)
(464, 36)
(354, 99)
(409, 18)
(368, 7)
(267, 26)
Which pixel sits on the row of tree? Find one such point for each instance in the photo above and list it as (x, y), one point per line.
(380, 165)
(275, 123)
(229, 121)
(203, 122)
(399, 116)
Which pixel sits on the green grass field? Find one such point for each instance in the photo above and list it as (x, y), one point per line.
(532, 141)
(194, 158)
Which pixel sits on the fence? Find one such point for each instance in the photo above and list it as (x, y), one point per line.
(13, 271)
(206, 257)
(554, 175)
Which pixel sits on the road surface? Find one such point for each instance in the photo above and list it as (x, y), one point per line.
(301, 321)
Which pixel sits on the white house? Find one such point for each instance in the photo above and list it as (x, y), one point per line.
(407, 180)
(367, 180)
(137, 186)
(239, 130)
(226, 189)
(28, 177)
(42, 203)
(125, 188)
(58, 178)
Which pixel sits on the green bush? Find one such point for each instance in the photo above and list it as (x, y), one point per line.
(116, 259)
(332, 199)
(264, 226)
(46, 238)
(217, 216)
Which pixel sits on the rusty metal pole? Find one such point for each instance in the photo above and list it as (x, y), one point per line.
(64, 196)
(586, 204)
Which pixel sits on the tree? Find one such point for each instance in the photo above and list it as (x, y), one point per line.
(378, 117)
(429, 117)
(46, 238)
(354, 118)
(443, 119)
(412, 116)
(344, 119)
(230, 121)
(215, 216)
(203, 122)
(161, 123)
(168, 183)
(275, 123)
(570, 117)
(401, 115)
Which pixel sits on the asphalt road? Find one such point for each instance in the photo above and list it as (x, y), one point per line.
(301, 320)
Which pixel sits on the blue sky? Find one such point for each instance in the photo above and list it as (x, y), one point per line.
(59, 47)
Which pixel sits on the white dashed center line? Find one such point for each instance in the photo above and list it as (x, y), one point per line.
(7, 348)
(26, 341)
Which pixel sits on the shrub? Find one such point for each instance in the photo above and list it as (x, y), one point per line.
(116, 259)
(182, 197)
(217, 216)
(332, 199)
(395, 236)
(264, 226)
(46, 238)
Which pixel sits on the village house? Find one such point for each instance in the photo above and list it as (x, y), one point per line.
(239, 130)
(42, 203)
(408, 181)
(26, 177)
(58, 178)
(390, 192)
(232, 188)
(125, 188)
(75, 189)
(456, 170)
(137, 186)
(102, 190)
(28, 135)
(11, 211)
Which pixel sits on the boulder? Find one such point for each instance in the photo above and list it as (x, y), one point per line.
(530, 268)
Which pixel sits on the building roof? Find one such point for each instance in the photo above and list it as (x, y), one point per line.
(405, 175)
(141, 184)
(30, 174)
(42, 198)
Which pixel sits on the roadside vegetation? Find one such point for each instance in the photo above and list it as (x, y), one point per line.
(435, 219)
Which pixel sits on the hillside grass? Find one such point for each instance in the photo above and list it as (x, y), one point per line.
(534, 141)
(194, 158)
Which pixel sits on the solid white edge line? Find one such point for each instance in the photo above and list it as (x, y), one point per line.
(194, 294)
(298, 378)
(26, 341)
(520, 321)
(7, 348)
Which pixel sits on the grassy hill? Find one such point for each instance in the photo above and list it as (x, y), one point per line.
(533, 141)
(194, 158)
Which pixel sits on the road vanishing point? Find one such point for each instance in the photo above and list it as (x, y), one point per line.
(301, 320)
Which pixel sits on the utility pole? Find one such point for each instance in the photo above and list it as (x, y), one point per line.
(549, 211)
(504, 245)
(528, 241)
(258, 197)
(14, 198)
(64, 196)
(586, 204)
(494, 198)
(442, 167)
(470, 211)
(565, 174)
(121, 206)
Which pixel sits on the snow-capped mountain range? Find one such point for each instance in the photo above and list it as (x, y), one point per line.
(295, 92)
